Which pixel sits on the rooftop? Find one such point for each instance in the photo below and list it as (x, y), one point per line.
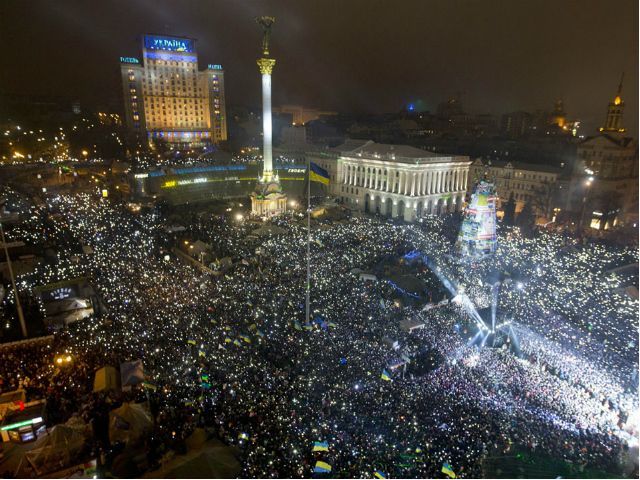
(619, 140)
(535, 167)
(388, 152)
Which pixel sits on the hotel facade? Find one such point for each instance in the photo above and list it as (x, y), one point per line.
(167, 98)
(397, 181)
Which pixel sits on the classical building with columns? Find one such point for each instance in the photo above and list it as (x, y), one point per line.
(397, 181)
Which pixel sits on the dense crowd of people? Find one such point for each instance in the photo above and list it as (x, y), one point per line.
(236, 353)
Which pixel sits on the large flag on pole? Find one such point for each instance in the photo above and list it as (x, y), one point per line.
(318, 174)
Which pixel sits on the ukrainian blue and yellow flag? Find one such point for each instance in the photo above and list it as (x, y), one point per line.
(446, 469)
(149, 386)
(318, 174)
(385, 376)
(320, 447)
(379, 474)
(322, 467)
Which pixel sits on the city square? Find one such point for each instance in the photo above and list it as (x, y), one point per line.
(182, 298)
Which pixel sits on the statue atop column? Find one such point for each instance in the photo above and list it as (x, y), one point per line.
(268, 198)
(265, 23)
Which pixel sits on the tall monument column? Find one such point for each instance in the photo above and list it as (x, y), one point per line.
(267, 198)
(266, 67)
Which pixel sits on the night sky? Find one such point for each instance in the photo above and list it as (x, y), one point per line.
(345, 55)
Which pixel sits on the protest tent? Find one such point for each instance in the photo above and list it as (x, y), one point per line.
(131, 373)
(59, 448)
(129, 423)
(105, 379)
(213, 460)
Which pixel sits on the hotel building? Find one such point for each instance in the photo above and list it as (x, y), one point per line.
(167, 97)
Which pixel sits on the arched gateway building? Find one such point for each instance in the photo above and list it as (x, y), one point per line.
(397, 181)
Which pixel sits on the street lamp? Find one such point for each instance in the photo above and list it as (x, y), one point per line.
(588, 182)
(23, 324)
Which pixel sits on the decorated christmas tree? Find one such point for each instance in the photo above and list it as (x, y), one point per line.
(477, 235)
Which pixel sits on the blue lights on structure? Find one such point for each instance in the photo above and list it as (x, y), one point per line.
(171, 44)
(416, 254)
(411, 107)
(170, 57)
(129, 60)
(412, 255)
(402, 290)
(217, 168)
(214, 66)
(289, 166)
(157, 134)
(212, 168)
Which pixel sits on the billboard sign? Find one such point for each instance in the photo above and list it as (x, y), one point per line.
(171, 44)
(59, 293)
